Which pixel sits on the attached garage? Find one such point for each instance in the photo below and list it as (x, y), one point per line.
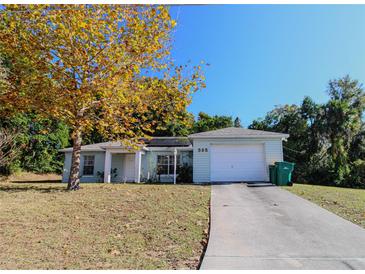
(235, 154)
(237, 163)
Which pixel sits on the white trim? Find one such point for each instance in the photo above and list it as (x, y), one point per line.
(107, 166)
(279, 136)
(119, 149)
(175, 159)
(137, 167)
(123, 151)
(69, 149)
(170, 149)
(122, 148)
(167, 137)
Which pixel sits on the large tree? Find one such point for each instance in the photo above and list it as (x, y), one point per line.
(344, 111)
(91, 67)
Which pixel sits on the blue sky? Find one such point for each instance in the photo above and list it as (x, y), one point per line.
(267, 55)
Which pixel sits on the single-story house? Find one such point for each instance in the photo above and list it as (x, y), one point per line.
(223, 155)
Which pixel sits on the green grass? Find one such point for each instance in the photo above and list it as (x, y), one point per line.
(102, 226)
(346, 202)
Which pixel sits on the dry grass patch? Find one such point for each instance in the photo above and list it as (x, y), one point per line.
(32, 177)
(346, 202)
(102, 226)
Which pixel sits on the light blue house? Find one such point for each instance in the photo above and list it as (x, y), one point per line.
(224, 155)
(154, 161)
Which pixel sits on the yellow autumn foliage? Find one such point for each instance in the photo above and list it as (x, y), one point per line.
(86, 65)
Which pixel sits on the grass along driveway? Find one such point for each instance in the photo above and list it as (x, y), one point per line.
(102, 226)
(346, 202)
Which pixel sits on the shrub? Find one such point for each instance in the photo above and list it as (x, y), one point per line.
(185, 174)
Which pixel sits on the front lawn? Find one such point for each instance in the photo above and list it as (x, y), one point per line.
(102, 226)
(346, 202)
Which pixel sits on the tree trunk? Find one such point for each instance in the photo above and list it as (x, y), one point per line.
(74, 179)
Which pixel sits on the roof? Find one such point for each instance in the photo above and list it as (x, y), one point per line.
(154, 142)
(91, 147)
(168, 142)
(237, 132)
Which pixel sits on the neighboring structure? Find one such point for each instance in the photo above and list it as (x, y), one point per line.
(224, 155)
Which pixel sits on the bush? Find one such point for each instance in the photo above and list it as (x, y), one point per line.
(357, 175)
(185, 174)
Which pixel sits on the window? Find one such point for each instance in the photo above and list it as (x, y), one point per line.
(88, 165)
(165, 164)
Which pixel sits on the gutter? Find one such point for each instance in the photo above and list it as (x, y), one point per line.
(281, 136)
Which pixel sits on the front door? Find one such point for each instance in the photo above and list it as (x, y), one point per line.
(128, 168)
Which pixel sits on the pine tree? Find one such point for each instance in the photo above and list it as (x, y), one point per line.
(237, 122)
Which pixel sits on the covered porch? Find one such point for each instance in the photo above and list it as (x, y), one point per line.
(121, 165)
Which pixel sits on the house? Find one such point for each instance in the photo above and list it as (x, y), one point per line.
(223, 155)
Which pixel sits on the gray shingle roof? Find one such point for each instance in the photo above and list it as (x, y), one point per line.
(168, 142)
(235, 132)
(93, 147)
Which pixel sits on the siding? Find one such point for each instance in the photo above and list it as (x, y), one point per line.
(148, 165)
(98, 166)
(201, 160)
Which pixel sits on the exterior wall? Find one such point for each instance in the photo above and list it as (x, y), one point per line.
(98, 166)
(148, 166)
(201, 160)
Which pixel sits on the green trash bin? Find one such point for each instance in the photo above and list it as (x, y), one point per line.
(273, 174)
(284, 171)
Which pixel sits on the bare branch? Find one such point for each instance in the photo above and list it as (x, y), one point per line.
(8, 150)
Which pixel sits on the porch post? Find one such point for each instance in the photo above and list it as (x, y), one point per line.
(137, 167)
(175, 153)
(107, 166)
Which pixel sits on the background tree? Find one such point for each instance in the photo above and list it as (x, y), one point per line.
(287, 119)
(206, 122)
(357, 159)
(39, 139)
(357, 147)
(88, 65)
(237, 122)
(326, 140)
(343, 122)
(181, 126)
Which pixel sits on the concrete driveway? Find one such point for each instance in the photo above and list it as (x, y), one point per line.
(270, 228)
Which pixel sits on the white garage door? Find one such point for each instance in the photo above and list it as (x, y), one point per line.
(237, 163)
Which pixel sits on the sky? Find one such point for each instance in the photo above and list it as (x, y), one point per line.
(261, 56)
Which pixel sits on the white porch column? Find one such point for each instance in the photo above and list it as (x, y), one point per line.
(107, 166)
(175, 153)
(137, 167)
